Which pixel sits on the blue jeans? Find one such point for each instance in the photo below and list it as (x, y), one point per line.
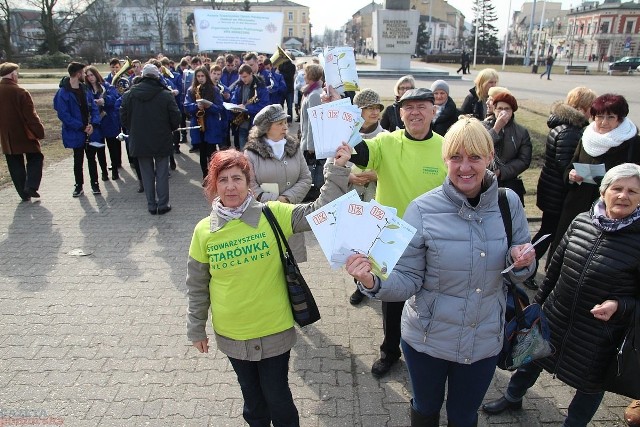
(581, 409)
(266, 393)
(467, 385)
(243, 134)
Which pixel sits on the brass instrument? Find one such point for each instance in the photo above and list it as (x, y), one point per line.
(279, 57)
(118, 82)
(166, 72)
(200, 113)
(243, 116)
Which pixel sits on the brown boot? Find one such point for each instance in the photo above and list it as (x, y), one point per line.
(632, 414)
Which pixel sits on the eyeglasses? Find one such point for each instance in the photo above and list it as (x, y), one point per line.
(503, 109)
(602, 118)
(404, 88)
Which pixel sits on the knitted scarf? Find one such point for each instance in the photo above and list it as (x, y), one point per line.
(601, 221)
(229, 213)
(596, 144)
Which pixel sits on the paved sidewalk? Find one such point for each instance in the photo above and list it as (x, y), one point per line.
(99, 339)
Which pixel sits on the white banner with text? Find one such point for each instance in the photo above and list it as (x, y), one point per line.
(224, 30)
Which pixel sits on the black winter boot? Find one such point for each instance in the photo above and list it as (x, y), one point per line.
(419, 420)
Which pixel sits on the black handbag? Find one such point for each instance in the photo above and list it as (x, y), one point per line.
(623, 375)
(303, 305)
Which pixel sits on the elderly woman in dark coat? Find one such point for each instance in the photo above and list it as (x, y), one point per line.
(446, 110)
(278, 168)
(511, 142)
(588, 312)
(566, 122)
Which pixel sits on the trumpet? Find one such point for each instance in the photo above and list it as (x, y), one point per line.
(118, 82)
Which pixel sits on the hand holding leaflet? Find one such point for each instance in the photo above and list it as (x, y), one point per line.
(589, 172)
(529, 249)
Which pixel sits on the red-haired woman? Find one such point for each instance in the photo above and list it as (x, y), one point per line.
(235, 272)
(610, 139)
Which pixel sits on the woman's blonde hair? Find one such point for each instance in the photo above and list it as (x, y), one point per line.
(468, 133)
(404, 79)
(314, 72)
(581, 98)
(493, 91)
(483, 77)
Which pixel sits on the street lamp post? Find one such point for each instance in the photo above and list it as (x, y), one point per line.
(527, 59)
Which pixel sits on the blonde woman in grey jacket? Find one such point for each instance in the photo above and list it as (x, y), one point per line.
(278, 168)
(450, 277)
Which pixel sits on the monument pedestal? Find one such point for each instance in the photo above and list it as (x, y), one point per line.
(395, 36)
(393, 61)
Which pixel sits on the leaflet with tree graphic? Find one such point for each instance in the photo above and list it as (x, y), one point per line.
(340, 68)
(368, 228)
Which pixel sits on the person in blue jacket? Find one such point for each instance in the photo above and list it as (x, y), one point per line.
(250, 94)
(105, 97)
(209, 114)
(79, 115)
(277, 87)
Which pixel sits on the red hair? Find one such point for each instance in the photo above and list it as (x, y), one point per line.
(221, 161)
(610, 103)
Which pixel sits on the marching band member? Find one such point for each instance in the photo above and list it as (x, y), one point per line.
(209, 114)
(251, 94)
(96, 85)
(110, 119)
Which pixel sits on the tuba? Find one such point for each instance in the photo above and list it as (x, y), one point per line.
(279, 57)
(122, 84)
(200, 113)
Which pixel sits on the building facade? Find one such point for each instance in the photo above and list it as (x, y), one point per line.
(138, 31)
(607, 31)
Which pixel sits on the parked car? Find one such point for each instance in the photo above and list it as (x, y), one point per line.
(317, 51)
(627, 63)
(295, 52)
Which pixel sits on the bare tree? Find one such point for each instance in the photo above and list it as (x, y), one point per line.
(160, 12)
(5, 29)
(60, 23)
(100, 24)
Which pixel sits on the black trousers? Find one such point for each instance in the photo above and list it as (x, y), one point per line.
(115, 152)
(133, 161)
(78, 161)
(391, 314)
(25, 176)
(206, 151)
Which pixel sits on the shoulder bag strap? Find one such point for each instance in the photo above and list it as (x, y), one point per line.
(505, 212)
(280, 237)
(267, 213)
